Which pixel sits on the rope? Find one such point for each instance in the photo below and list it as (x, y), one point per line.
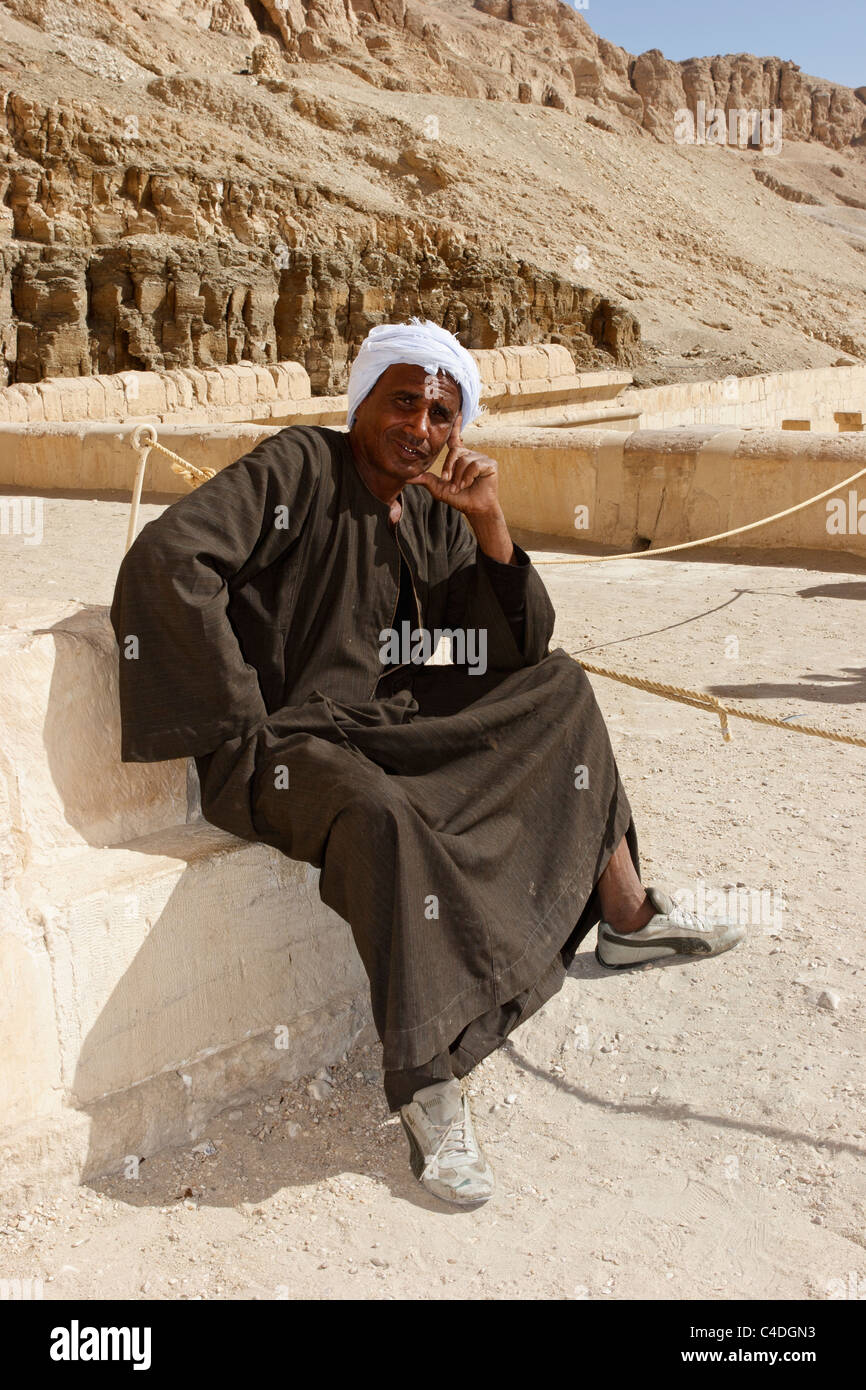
(701, 700)
(707, 540)
(194, 476)
(698, 699)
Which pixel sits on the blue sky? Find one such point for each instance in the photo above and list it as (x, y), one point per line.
(826, 37)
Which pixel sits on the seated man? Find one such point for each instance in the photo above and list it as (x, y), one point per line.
(468, 819)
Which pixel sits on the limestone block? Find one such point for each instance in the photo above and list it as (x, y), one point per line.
(561, 360)
(32, 400)
(18, 406)
(172, 399)
(95, 398)
(60, 725)
(488, 360)
(231, 387)
(299, 382)
(216, 386)
(511, 358)
(114, 395)
(30, 1077)
(145, 393)
(534, 364)
(184, 394)
(265, 386)
(245, 375)
(280, 375)
(5, 412)
(133, 925)
(73, 393)
(198, 381)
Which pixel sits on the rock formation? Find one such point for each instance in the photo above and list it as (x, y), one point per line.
(177, 188)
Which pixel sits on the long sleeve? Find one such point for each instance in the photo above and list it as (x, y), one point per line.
(510, 601)
(185, 685)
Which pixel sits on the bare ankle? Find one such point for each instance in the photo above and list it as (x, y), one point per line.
(633, 918)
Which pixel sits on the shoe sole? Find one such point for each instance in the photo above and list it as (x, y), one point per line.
(684, 947)
(417, 1162)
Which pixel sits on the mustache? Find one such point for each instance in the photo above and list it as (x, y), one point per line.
(410, 444)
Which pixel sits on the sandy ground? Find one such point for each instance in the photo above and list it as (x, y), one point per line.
(679, 1131)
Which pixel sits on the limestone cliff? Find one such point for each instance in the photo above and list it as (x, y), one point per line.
(192, 182)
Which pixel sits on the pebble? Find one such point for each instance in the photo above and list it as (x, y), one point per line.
(319, 1089)
(829, 999)
(510, 1100)
(206, 1148)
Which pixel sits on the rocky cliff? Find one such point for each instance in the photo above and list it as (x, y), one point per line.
(193, 182)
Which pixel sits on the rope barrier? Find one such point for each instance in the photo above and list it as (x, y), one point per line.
(696, 698)
(702, 700)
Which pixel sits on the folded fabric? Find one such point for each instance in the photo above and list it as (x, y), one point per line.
(424, 344)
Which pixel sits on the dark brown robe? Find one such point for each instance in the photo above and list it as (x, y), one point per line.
(446, 809)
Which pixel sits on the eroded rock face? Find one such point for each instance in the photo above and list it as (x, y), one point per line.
(119, 248)
(149, 305)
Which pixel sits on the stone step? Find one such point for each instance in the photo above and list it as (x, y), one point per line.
(156, 983)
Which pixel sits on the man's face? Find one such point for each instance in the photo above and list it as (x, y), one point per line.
(406, 419)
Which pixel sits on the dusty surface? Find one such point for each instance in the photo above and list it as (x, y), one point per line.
(675, 1132)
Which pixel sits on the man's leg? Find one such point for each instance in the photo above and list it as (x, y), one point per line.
(628, 909)
(624, 902)
(400, 1086)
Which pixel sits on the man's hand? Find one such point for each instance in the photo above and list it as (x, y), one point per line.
(469, 480)
(470, 484)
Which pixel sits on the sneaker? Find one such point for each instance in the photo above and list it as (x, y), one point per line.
(671, 932)
(445, 1155)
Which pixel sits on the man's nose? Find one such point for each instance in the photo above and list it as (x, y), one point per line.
(419, 422)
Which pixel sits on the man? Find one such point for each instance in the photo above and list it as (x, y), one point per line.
(468, 819)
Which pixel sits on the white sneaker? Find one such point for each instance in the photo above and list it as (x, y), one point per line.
(671, 932)
(445, 1155)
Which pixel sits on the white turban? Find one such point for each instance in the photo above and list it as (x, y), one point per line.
(421, 344)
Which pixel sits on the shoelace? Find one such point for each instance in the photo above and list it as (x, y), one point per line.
(681, 917)
(452, 1146)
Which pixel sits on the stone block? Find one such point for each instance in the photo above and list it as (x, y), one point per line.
(114, 395)
(60, 715)
(265, 386)
(299, 382)
(73, 392)
(17, 405)
(215, 381)
(33, 401)
(534, 364)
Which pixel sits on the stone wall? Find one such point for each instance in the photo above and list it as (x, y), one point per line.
(529, 382)
(663, 485)
(754, 402)
(667, 486)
